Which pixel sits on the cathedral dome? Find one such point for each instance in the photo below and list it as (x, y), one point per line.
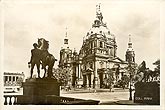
(100, 31)
(99, 28)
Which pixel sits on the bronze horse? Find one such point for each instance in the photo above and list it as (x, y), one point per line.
(146, 72)
(46, 58)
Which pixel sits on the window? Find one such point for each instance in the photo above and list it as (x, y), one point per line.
(91, 45)
(16, 78)
(5, 78)
(101, 44)
(67, 56)
(109, 32)
(91, 65)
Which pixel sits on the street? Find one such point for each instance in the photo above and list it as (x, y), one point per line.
(103, 97)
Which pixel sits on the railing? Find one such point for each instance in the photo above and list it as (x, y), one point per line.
(68, 99)
(10, 99)
(74, 101)
(52, 100)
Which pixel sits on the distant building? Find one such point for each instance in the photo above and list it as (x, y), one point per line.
(70, 59)
(130, 55)
(97, 56)
(13, 81)
(65, 54)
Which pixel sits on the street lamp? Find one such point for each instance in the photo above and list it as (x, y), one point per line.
(130, 88)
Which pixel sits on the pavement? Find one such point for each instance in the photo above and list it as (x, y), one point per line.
(127, 102)
(117, 97)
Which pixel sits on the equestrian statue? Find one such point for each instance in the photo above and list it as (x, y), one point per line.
(41, 56)
(145, 73)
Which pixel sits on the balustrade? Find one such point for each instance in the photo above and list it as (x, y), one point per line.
(10, 99)
(11, 83)
(66, 99)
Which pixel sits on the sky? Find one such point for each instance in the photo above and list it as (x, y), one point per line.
(24, 23)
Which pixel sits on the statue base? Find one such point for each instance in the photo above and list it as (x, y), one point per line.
(36, 91)
(147, 93)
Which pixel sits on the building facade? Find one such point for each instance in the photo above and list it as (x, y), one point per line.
(13, 81)
(97, 56)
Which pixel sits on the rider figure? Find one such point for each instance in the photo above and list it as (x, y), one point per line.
(35, 59)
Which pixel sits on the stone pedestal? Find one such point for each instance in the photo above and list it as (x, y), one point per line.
(147, 93)
(36, 91)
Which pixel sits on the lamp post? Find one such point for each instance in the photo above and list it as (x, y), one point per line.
(130, 88)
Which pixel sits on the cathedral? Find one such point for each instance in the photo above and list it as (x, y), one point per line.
(97, 56)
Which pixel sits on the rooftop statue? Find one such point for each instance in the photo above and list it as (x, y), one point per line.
(40, 55)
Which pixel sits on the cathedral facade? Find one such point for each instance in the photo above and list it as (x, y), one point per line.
(97, 56)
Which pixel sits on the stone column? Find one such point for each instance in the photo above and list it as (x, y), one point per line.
(16, 78)
(79, 71)
(95, 74)
(12, 78)
(11, 81)
(96, 43)
(76, 70)
(106, 63)
(92, 78)
(103, 44)
(87, 80)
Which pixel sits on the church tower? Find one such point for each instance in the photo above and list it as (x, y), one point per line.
(130, 55)
(65, 53)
